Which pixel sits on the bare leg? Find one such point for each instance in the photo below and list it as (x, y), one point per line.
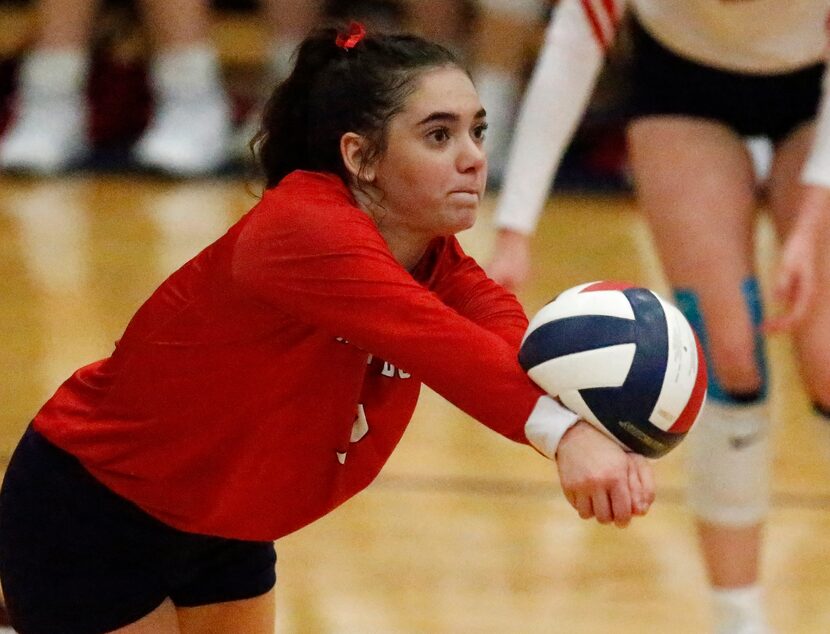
(65, 23)
(289, 21)
(177, 24)
(731, 555)
(162, 620)
(695, 182)
(252, 616)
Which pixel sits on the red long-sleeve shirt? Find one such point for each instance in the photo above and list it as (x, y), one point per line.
(269, 379)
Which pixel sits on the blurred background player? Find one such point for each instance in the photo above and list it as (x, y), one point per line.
(189, 132)
(502, 42)
(705, 76)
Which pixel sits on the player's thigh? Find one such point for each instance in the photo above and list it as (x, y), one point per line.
(696, 185)
(252, 616)
(162, 620)
(812, 338)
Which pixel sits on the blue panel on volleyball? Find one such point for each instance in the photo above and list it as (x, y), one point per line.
(634, 401)
(566, 336)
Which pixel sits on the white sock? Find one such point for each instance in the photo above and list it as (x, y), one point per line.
(49, 129)
(190, 131)
(739, 610)
(189, 72)
(59, 72)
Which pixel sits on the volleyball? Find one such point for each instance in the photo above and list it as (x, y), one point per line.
(621, 357)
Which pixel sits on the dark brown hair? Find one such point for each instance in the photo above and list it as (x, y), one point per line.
(332, 91)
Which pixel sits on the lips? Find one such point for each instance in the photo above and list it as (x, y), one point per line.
(466, 196)
(472, 191)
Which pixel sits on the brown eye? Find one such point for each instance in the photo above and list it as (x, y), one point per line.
(440, 135)
(480, 132)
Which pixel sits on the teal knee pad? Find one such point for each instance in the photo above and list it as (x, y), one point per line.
(689, 305)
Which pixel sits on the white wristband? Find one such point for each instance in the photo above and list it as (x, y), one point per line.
(546, 425)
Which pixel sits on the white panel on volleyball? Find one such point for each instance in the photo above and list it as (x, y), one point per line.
(610, 303)
(681, 369)
(600, 367)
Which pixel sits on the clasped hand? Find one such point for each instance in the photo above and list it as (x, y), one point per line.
(600, 479)
(796, 281)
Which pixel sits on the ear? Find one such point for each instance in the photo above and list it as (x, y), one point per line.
(353, 153)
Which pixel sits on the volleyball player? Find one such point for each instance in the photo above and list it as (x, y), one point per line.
(269, 379)
(706, 76)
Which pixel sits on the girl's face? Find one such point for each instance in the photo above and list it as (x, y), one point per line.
(433, 172)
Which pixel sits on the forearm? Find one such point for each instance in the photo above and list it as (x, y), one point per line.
(554, 104)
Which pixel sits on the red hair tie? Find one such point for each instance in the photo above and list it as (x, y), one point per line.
(349, 40)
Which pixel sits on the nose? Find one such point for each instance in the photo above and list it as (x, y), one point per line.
(471, 156)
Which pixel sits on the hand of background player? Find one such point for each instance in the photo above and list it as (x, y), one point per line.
(602, 480)
(795, 281)
(510, 263)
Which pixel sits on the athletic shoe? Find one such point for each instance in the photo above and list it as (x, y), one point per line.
(47, 137)
(187, 137)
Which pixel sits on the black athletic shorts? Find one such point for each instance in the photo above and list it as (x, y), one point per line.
(75, 558)
(664, 83)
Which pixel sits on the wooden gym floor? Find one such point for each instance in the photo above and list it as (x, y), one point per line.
(463, 531)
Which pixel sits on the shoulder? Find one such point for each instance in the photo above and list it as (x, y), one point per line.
(307, 213)
(310, 192)
(312, 204)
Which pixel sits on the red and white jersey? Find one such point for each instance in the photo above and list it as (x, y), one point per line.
(749, 36)
(269, 379)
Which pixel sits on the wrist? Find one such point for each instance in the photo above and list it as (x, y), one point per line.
(512, 236)
(547, 424)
